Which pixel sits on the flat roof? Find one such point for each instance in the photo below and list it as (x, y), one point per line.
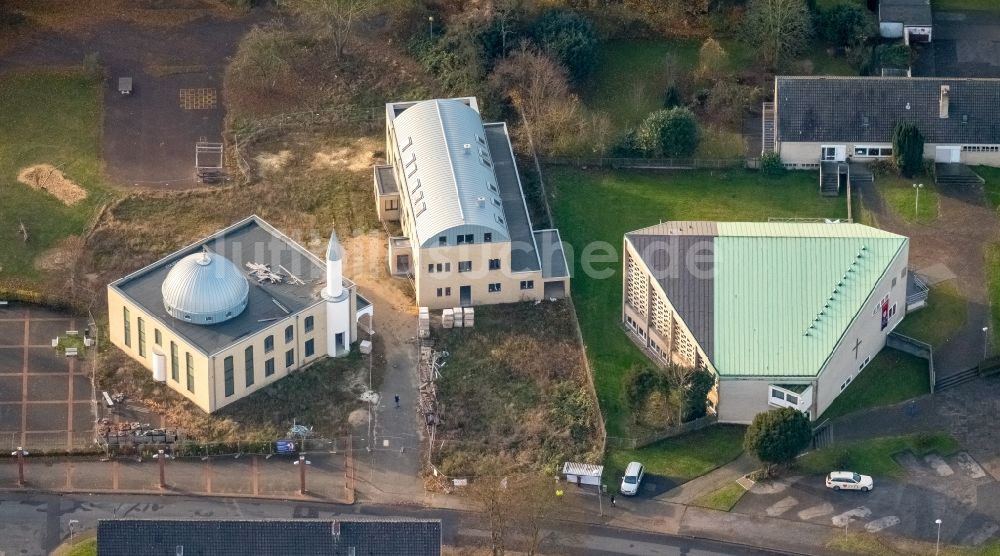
(250, 240)
(524, 252)
(386, 179)
(550, 250)
(907, 12)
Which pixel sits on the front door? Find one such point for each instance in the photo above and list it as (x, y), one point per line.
(948, 155)
(465, 295)
(832, 153)
(339, 342)
(402, 264)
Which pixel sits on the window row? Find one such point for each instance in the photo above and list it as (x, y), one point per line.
(980, 148)
(248, 366)
(466, 239)
(872, 151)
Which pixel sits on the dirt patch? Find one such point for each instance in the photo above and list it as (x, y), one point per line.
(358, 157)
(273, 162)
(63, 256)
(50, 179)
(358, 417)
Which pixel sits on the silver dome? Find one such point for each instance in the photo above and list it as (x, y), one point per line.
(205, 288)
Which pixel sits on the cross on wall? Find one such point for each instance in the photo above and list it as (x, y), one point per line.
(856, 346)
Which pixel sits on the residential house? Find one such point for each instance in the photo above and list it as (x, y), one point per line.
(356, 536)
(837, 119)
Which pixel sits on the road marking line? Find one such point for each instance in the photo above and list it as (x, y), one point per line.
(781, 506)
(841, 520)
(881, 523)
(940, 466)
(813, 512)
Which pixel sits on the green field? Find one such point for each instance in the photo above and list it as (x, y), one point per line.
(992, 186)
(600, 206)
(993, 280)
(943, 316)
(901, 197)
(892, 377)
(874, 456)
(631, 76)
(53, 119)
(684, 457)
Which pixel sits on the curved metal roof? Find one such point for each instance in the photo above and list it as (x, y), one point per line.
(205, 288)
(448, 169)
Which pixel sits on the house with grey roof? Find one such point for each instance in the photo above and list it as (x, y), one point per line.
(784, 314)
(278, 537)
(452, 184)
(909, 20)
(235, 312)
(838, 119)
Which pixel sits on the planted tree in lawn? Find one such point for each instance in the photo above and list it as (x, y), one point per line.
(908, 149)
(778, 436)
(669, 133)
(571, 38)
(846, 25)
(778, 28)
(713, 60)
(335, 19)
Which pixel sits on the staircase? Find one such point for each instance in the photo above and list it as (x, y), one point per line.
(956, 175)
(829, 179)
(767, 128)
(822, 435)
(967, 375)
(861, 174)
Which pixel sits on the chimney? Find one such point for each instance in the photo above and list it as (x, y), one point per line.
(481, 202)
(943, 112)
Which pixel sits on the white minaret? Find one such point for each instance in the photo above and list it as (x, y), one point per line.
(338, 302)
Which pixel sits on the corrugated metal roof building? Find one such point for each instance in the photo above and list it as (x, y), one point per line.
(770, 302)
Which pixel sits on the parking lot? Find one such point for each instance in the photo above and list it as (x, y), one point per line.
(45, 397)
(954, 489)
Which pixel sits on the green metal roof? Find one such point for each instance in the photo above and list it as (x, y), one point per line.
(785, 293)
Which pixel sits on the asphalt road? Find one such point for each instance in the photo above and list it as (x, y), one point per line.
(32, 523)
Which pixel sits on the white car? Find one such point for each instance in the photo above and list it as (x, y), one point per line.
(847, 480)
(633, 476)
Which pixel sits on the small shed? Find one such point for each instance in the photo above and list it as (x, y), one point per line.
(910, 20)
(582, 473)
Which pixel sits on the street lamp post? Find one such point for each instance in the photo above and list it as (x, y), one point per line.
(916, 203)
(72, 530)
(937, 545)
(302, 463)
(20, 453)
(162, 457)
(430, 21)
(986, 342)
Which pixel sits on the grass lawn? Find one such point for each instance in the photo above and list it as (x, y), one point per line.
(681, 458)
(874, 457)
(892, 377)
(865, 543)
(722, 499)
(718, 143)
(943, 316)
(600, 206)
(985, 5)
(54, 119)
(901, 197)
(992, 186)
(818, 61)
(631, 76)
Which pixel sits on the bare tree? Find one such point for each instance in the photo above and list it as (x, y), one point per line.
(335, 19)
(779, 28)
(535, 502)
(713, 60)
(491, 493)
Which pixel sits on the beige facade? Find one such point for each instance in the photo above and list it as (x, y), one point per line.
(463, 258)
(807, 155)
(207, 388)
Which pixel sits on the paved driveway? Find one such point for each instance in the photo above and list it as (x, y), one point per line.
(966, 44)
(45, 397)
(953, 489)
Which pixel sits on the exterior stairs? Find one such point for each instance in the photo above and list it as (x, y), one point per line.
(768, 138)
(956, 379)
(957, 175)
(829, 179)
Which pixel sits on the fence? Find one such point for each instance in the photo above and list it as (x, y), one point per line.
(647, 438)
(657, 163)
(187, 448)
(915, 347)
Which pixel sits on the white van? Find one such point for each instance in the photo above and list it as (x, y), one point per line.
(633, 477)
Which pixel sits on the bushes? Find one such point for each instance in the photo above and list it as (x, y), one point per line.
(846, 25)
(571, 39)
(729, 101)
(771, 165)
(908, 149)
(669, 133)
(776, 437)
(778, 29)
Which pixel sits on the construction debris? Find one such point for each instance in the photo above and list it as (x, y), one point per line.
(263, 272)
(426, 374)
